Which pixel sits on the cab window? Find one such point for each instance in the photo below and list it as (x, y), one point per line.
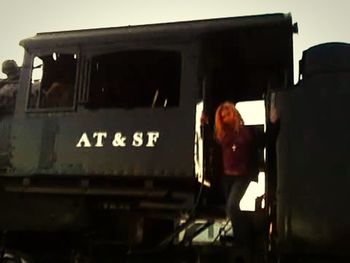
(134, 79)
(53, 80)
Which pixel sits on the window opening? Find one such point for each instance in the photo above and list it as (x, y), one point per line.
(132, 79)
(52, 81)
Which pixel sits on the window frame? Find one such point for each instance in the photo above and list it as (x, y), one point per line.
(99, 50)
(77, 84)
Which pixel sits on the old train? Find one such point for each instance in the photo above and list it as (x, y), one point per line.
(104, 148)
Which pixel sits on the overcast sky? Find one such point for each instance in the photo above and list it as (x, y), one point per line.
(319, 21)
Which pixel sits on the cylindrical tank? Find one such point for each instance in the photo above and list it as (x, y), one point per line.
(313, 163)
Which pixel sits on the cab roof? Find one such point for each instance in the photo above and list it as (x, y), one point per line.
(175, 30)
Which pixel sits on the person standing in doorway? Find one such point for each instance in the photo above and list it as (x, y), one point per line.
(240, 165)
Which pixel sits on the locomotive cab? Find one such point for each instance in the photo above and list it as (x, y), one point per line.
(107, 130)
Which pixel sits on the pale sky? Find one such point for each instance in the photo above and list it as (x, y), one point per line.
(319, 21)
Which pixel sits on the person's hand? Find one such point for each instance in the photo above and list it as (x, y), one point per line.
(204, 119)
(273, 115)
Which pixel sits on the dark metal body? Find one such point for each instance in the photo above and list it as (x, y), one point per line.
(313, 156)
(48, 183)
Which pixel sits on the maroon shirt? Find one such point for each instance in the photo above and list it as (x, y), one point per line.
(238, 152)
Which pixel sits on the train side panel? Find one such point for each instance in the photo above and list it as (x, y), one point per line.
(141, 142)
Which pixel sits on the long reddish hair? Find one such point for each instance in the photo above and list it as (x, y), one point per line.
(221, 129)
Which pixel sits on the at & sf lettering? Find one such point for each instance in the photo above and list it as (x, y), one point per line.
(100, 138)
